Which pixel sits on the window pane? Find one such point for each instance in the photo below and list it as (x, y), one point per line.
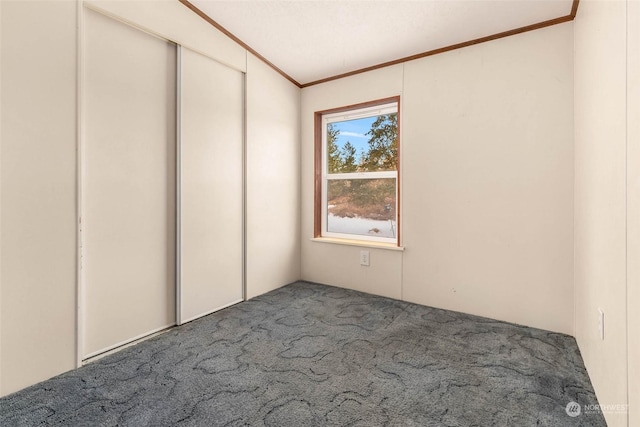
(365, 207)
(363, 145)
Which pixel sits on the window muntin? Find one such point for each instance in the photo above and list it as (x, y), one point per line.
(359, 178)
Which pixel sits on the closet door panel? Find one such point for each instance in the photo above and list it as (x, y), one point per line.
(211, 186)
(128, 184)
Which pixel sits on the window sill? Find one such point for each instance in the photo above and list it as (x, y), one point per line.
(361, 243)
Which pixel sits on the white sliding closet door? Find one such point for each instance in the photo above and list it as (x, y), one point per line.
(211, 141)
(128, 184)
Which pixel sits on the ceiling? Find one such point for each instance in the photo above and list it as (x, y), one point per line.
(312, 40)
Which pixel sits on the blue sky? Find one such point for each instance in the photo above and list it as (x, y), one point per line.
(354, 131)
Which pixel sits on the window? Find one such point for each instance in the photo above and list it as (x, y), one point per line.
(356, 172)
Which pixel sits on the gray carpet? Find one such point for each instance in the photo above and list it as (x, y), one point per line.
(314, 355)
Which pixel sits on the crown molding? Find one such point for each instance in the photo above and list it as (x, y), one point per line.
(570, 17)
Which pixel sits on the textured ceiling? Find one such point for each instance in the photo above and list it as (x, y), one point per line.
(314, 40)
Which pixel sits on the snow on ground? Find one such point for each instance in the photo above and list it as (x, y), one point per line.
(360, 226)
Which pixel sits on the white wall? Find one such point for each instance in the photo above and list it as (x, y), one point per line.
(38, 167)
(1, 199)
(38, 230)
(488, 179)
(487, 184)
(601, 195)
(273, 179)
(633, 209)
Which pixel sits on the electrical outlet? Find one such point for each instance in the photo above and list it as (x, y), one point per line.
(601, 323)
(364, 258)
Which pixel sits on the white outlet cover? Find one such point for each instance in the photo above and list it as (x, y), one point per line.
(364, 258)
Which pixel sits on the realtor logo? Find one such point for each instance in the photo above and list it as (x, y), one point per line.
(573, 409)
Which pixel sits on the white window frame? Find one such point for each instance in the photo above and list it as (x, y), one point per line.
(374, 111)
